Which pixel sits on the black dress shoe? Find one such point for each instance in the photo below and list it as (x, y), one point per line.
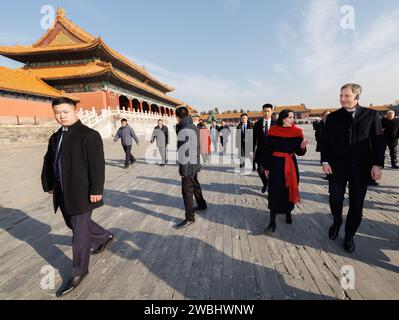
(103, 246)
(288, 218)
(264, 188)
(200, 208)
(184, 224)
(349, 245)
(271, 227)
(395, 167)
(72, 284)
(333, 232)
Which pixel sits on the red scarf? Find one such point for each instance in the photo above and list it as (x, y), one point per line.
(285, 132)
(291, 180)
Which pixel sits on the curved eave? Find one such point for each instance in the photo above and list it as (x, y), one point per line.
(110, 71)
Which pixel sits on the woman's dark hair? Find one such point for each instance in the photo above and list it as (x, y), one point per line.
(283, 115)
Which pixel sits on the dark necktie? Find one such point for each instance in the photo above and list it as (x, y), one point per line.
(266, 128)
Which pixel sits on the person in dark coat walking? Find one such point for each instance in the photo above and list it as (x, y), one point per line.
(161, 134)
(390, 125)
(353, 150)
(284, 141)
(319, 130)
(74, 172)
(225, 132)
(261, 130)
(244, 139)
(127, 134)
(188, 151)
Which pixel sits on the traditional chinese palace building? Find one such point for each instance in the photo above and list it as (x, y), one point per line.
(67, 60)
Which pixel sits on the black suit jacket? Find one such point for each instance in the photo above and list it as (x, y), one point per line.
(188, 148)
(240, 139)
(162, 141)
(259, 141)
(353, 146)
(83, 168)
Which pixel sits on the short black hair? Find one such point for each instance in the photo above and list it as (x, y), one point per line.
(267, 106)
(123, 120)
(283, 115)
(244, 114)
(182, 112)
(63, 100)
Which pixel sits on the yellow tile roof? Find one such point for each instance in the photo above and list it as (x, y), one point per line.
(22, 81)
(92, 69)
(60, 35)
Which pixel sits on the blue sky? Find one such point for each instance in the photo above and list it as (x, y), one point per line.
(239, 53)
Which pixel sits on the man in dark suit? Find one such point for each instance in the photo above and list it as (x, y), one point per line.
(244, 139)
(319, 130)
(74, 172)
(352, 152)
(161, 134)
(390, 125)
(225, 132)
(188, 152)
(261, 129)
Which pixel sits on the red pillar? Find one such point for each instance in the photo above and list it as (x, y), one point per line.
(130, 105)
(141, 106)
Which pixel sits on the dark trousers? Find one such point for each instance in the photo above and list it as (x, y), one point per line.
(190, 187)
(262, 176)
(356, 202)
(85, 232)
(129, 157)
(393, 152)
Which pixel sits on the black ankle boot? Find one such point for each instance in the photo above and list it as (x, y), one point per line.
(288, 218)
(272, 224)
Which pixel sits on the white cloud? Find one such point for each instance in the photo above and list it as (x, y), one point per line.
(331, 56)
(204, 92)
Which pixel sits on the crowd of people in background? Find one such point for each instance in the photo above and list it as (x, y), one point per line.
(352, 142)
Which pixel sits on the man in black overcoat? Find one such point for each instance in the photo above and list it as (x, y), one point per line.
(74, 172)
(352, 153)
(261, 129)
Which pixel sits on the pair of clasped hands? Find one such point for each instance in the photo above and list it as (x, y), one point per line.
(304, 143)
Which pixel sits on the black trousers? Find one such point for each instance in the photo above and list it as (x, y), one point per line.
(262, 176)
(356, 202)
(393, 152)
(85, 232)
(129, 157)
(190, 187)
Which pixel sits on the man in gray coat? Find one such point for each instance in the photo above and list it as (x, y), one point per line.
(126, 134)
(161, 134)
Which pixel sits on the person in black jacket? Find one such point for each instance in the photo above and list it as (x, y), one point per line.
(319, 130)
(352, 151)
(390, 125)
(244, 139)
(225, 132)
(261, 129)
(188, 151)
(161, 134)
(74, 172)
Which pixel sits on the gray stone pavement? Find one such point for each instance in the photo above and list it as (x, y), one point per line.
(224, 255)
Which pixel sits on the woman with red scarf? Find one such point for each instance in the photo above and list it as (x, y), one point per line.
(285, 140)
